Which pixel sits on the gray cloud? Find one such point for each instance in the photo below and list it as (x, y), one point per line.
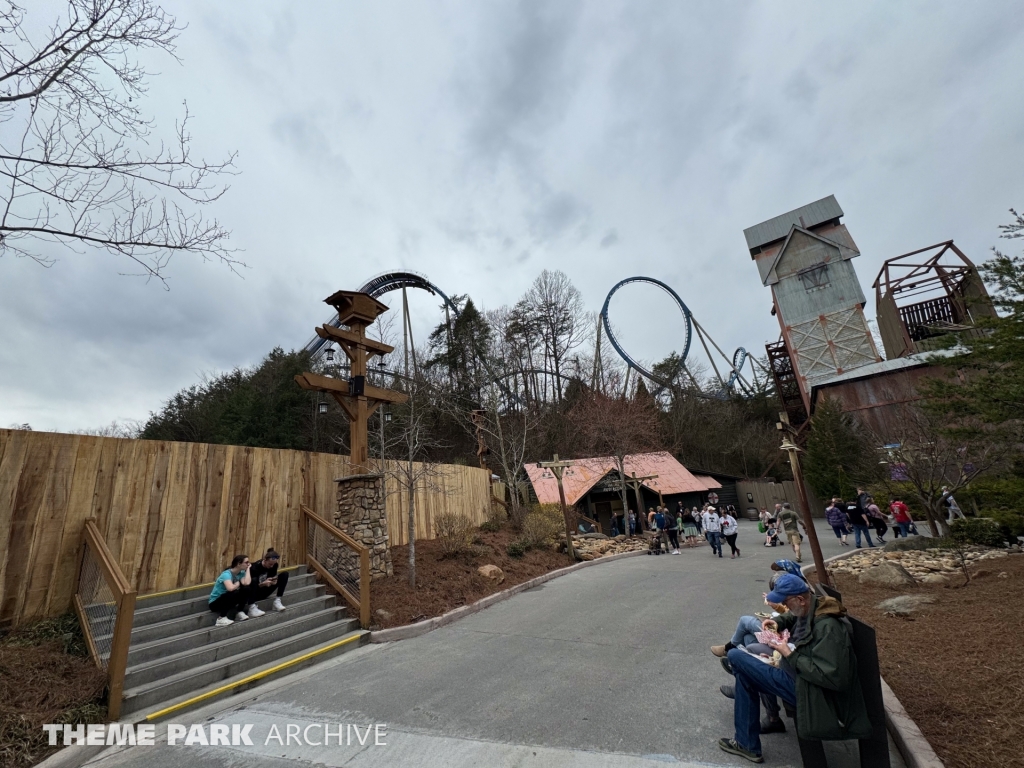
(478, 143)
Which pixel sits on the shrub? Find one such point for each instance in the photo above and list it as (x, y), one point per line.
(977, 530)
(454, 531)
(1011, 523)
(542, 525)
(490, 526)
(517, 548)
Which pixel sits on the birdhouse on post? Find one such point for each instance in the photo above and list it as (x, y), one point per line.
(357, 398)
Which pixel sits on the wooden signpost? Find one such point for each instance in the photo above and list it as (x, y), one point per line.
(357, 398)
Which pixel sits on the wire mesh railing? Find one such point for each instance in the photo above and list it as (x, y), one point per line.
(105, 604)
(340, 560)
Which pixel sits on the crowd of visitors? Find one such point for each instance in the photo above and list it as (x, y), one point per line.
(862, 515)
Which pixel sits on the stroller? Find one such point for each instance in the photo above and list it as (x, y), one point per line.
(654, 548)
(771, 534)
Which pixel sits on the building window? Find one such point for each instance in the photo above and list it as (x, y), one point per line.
(814, 278)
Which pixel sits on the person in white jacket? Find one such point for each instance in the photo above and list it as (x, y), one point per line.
(713, 529)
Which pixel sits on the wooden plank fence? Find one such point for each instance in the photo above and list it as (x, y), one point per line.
(173, 514)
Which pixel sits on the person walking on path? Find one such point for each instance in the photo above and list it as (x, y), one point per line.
(230, 592)
(672, 529)
(901, 517)
(951, 506)
(836, 517)
(698, 520)
(266, 581)
(877, 520)
(817, 674)
(690, 532)
(713, 530)
(791, 525)
(860, 519)
(731, 529)
(632, 523)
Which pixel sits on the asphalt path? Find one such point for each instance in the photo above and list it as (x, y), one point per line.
(607, 666)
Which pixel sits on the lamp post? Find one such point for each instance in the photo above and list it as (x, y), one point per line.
(793, 450)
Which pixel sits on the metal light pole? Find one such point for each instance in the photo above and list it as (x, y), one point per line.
(812, 536)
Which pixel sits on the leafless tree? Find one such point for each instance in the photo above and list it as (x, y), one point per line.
(932, 461)
(617, 427)
(76, 151)
(556, 306)
(404, 456)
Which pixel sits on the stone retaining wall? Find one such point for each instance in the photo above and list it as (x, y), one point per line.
(361, 514)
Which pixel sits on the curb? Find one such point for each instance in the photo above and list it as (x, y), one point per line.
(428, 625)
(911, 743)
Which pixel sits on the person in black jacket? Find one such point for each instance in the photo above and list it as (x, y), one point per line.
(266, 579)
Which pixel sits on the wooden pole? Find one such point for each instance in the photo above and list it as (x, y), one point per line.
(556, 468)
(812, 535)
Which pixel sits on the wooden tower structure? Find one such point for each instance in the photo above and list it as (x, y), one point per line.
(358, 399)
(805, 256)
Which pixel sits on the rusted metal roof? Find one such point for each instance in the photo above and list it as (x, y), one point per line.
(807, 216)
(584, 474)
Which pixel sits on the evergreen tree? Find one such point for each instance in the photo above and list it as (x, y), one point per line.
(838, 456)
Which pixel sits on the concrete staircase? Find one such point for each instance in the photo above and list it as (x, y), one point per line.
(178, 658)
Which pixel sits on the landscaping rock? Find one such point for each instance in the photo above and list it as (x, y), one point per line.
(935, 578)
(382, 614)
(887, 574)
(1003, 575)
(910, 543)
(492, 572)
(590, 536)
(904, 604)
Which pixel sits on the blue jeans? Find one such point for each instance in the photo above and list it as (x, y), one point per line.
(745, 629)
(858, 530)
(754, 678)
(715, 538)
(904, 529)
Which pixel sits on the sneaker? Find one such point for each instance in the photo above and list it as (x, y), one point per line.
(730, 746)
(773, 726)
(255, 612)
(241, 616)
(729, 691)
(278, 605)
(727, 666)
(719, 650)
(223, 621)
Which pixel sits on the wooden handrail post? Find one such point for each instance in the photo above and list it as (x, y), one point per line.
(117, 663)
(364, 588)
(303, 537)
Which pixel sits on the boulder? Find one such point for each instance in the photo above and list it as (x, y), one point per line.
(1003, 575)
(904, 604)
(382, 614)
(935, 578)
(887, 574)
(910, 543)
(590, 536)
(492, 572)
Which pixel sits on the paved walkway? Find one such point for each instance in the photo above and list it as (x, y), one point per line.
(608, 666)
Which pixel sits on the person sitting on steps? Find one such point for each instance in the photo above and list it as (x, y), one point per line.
(230, 591)
(266, 579)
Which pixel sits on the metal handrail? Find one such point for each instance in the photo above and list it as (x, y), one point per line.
(359, 602)
(96, 554)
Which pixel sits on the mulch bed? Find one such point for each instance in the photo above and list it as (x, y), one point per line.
(957, 666)
(443, 584)
(45, 677)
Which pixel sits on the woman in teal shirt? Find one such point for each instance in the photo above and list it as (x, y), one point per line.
(229, 591)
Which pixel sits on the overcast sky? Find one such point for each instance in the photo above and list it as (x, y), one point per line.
(480, 142)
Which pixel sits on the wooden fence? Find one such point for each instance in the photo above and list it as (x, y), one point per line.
(173, 514)
(768, 494)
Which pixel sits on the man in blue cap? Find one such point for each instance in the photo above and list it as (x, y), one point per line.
(817, 673)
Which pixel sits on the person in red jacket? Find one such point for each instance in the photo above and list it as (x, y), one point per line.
(901, 516)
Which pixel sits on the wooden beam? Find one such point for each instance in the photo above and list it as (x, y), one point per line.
(317, 383)
(343, 337)
(343, 401)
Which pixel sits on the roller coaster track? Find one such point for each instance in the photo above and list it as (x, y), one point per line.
(377, 287)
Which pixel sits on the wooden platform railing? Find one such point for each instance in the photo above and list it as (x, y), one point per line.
(340, 560)
(105, 604)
